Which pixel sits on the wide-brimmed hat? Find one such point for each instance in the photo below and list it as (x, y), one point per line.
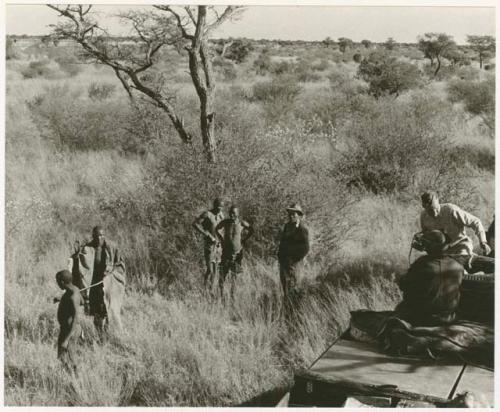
(295, 208)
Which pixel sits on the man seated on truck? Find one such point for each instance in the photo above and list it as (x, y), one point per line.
(431, 287)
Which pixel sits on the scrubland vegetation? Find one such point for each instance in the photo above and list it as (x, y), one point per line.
(353, 136)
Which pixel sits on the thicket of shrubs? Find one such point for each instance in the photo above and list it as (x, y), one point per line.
(360, 139)
(385, 74)
(79, 153)
(478, 97)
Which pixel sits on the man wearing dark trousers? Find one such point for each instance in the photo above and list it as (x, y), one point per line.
(293, 248)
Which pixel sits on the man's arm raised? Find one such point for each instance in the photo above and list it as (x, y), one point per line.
(197, 225)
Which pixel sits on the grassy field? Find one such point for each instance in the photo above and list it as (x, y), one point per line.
(74, 161)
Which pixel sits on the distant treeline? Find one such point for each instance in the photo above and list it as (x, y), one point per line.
(267, 42)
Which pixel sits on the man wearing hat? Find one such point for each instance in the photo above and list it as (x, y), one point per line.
(293, 247)
(431, 287)
(206, 224)
(453, 221)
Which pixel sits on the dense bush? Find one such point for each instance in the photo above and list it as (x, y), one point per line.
(283, 67)
(40, 68)
(69, 64)
(277, 95)
(73, 123)
(396, 146)
(386, 75)
(478, 98)
(239, 50)
(468, 73)
(225, 68)
(411, 52)
(262, 64)
(100, 91)
(322, 65)
(260, 173)
(305, 72)
(341, 80)
(336, 56)
(147, 203)
(481, 158)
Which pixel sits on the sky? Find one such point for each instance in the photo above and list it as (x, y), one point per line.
(404, 24)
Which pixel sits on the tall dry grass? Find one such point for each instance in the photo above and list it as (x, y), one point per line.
(180, 347)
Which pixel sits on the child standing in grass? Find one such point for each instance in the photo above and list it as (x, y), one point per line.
(68, 316)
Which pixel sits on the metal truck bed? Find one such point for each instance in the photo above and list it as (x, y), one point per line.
(351, 368)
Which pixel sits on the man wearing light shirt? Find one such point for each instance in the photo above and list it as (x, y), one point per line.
(452, 221)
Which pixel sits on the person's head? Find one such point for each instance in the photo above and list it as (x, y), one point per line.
(434, 242)
(217, 205)
(295, 213)
(430, 203)
(234, 212)
(98, 235)
(63, 278)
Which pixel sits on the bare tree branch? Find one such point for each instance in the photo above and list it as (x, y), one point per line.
(180, 23)
(191, 15)
(175, 26)
(228, 13)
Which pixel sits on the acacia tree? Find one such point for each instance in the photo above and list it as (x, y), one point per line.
(390, 43)
(328, 42)
(434, 46)
(457, 57)
(187, 28)
(366, 43)
(386, 75)
(484, 46)
(345, 43)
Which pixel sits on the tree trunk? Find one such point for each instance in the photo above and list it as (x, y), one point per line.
(125, 85)
(200, 69)
(438, 66)
(207, 126)
(177, 121)
(480, 61)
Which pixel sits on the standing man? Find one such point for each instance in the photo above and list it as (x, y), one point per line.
(232, 247)
(293, 248)
(206, 224)
(453, 221)
(106, 258)
(68, 316)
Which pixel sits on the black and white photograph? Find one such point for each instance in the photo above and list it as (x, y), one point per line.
(283, 205)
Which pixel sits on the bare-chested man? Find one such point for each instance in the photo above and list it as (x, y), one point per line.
(232, 246)
(68, 316)
(206, 224)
